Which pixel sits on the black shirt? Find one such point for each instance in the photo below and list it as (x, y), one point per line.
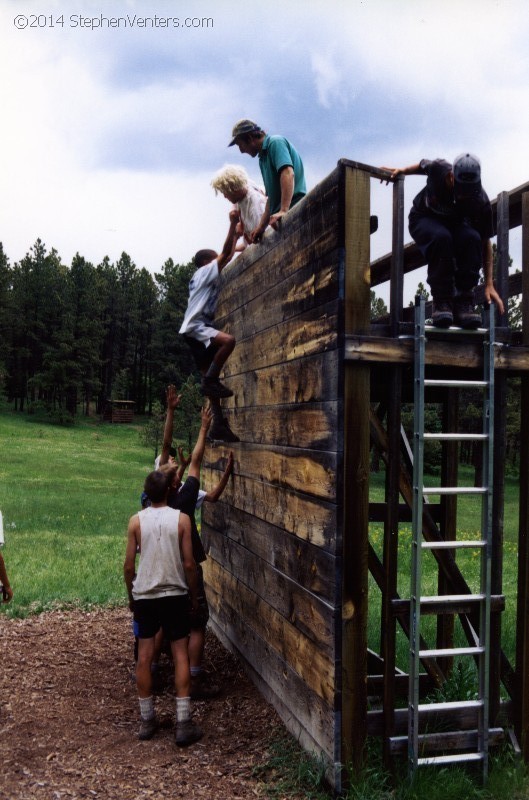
(185, 500)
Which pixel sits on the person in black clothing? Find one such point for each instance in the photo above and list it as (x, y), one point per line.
(185, 498)
(451, 223)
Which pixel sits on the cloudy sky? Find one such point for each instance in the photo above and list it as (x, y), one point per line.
(110, 135)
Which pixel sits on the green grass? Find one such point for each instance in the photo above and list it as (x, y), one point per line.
(289, 772)
(66, 495)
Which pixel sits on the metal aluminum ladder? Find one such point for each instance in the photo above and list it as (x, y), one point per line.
(480, 648)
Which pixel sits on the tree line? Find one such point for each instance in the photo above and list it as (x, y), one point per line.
(73, 337)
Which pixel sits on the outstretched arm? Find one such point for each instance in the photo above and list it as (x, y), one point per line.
(129, 566)
(215, 493)
(173, 400)
(413, 169)
(231, 241)
(198, 451)
(491, 295)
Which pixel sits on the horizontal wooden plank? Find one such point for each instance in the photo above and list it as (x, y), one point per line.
(307, 565)
(313, 426)
(314, 331)
(315, 668)
(458, 719)
(314, 284)
(306, 380)
(315, 715)
(467, 354)
(308, 613)
(312, 472)
(446, 741)
(308, 518)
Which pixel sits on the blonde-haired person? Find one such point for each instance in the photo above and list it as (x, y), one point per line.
(249, 200)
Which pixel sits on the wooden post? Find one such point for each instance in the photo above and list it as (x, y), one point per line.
(356, 474)
(391, 521)
(522, 616)
(498, 492)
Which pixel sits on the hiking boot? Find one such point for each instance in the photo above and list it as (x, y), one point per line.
(464, 312)
(147, 728)
(212, 387)
(187, 732)
(442, 316)
(202, 688)
(221, 432)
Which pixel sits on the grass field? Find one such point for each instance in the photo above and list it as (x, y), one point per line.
(66, 495)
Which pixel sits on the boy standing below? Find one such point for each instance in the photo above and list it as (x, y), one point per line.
(158, 596)
(211, 347)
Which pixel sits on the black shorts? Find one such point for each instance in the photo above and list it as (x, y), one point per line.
(200, 619)
(203, 355)
(169, 613)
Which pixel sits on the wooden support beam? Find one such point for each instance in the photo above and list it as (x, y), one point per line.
(356, 474)
(464, 354)
(522, 615)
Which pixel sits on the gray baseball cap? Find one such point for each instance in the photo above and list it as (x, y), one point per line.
(243, 126)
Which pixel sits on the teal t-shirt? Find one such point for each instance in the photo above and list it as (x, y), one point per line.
(276, 153)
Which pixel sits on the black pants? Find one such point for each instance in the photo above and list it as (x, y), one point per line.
(453, 250)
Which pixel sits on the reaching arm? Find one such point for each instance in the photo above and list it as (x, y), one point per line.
(230, 243)
(188, 562)
(129, 566)
(491, 295)
(257, 234)
(413, 169)
(173, 400)
(198, 451)
(7, 592)
(286, 182)
(215, 493)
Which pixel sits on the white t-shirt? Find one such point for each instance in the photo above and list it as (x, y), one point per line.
(252, 208)
(203, 293)
(160, 571)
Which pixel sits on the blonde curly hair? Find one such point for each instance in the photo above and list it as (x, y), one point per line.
(230, 178)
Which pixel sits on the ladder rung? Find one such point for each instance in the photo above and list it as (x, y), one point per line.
(456, 758)
(452, 598)
(433, 708)
(455, 489)
(460, 384)
(455, 544)
(451, 651)
(457, 437)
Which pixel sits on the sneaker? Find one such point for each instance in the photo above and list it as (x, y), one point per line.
(464, 312)
(442, 316)
(202, 688)
(187, 732)
(212, 387)
(147, 728)
(221, 432)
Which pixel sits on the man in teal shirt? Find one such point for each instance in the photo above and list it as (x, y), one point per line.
(281, 168)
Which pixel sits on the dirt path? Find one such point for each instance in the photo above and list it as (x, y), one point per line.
(69, 718)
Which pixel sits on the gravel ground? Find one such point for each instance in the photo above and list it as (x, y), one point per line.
(69, 718)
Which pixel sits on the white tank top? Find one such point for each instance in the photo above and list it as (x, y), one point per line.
(160, 572)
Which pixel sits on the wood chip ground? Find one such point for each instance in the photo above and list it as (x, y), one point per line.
(69, 718)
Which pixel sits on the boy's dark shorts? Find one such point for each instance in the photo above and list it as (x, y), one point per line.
(200, 619)
(169, 613)
(203, 355)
